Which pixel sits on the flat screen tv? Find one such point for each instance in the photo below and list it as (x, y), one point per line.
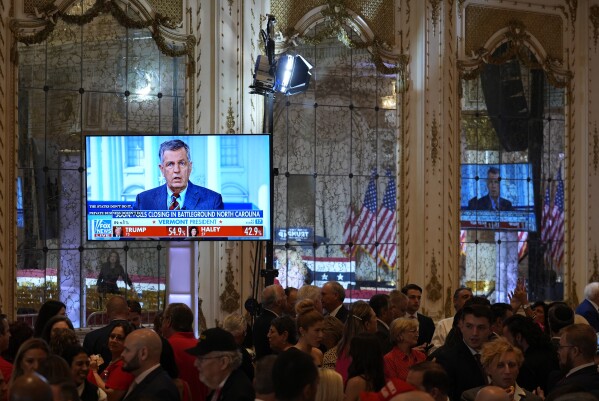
(192, 187)
(497, 197)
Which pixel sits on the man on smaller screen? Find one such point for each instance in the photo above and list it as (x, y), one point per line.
(178, 192)
(491, 201)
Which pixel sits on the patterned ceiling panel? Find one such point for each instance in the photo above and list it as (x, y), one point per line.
(483, 22)
(173, 9)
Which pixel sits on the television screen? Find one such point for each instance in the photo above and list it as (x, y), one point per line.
(178, 187)
(497, 197)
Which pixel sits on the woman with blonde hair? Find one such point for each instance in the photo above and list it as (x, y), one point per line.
(403, 334)
(309, 326)
(501, 361)
(330, 386)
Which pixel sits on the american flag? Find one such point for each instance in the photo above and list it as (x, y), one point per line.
(352, 231)
(387, 226)
(546, 218)
(522, 244)
(365, 226)
(557, 228)
(463, 242)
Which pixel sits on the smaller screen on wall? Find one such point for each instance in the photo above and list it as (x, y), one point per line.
(192, 187)
(497, 197)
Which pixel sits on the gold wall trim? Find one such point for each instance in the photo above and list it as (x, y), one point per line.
(595, 149)
(172, 9)
(516, 34)
(337, 18)
(434, 287)
(378, 14)
(483, 22)
(434, 141)
(594, 17)
(163, 28)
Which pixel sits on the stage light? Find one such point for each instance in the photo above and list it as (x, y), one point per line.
(292, 75)
(289, 75)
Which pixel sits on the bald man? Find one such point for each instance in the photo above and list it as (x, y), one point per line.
(30, 387)
(141, 357)
(413, 396)
(492, 393)
(96, 341)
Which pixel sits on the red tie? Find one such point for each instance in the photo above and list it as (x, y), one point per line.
(174, 204)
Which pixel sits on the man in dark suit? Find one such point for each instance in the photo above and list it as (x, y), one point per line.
(491, 201)
(589, 307)
(333, 295)
(141, 357)
(273, 305)
(178, 192)
(576, 352)
(380, 305)
(427, 327)
(459, 359)
(218, 360)
(96, 341)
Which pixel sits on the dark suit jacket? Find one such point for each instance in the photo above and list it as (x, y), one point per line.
(156, 386)
(470, 395)
(484, 203)
(463, 370)
(260, 331)
(586, 379)
(342, 313)
(237, 388)
(96, 342)
(196, 198)
(539, 362)
(426, 328)
(382, 333)
(588, 311)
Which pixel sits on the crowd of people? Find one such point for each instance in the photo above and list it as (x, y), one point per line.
(309, 344)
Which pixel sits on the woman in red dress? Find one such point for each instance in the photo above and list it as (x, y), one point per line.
(113, 380)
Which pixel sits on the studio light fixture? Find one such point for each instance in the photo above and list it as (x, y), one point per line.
(289, 75)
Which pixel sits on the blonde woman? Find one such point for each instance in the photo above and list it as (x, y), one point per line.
(330, 386)
(403, 334)
(501, 362)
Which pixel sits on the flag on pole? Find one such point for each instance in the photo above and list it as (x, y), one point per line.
(558, 228)
(522, 244)
(546, 217)
(387, 226)
(365, 227)
(359, 229)
(463, 242)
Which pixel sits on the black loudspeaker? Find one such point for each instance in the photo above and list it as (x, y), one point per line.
(506, 104)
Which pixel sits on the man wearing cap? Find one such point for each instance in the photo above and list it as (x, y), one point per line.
(141, 357)
(218, 361)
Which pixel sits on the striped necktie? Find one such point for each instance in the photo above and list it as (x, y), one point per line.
(174, 204)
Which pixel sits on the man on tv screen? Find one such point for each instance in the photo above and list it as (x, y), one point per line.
(178, 193)
(491, 201)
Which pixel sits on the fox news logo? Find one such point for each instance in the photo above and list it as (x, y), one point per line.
(102, 228)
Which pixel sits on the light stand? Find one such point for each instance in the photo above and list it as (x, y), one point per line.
(289, 75)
